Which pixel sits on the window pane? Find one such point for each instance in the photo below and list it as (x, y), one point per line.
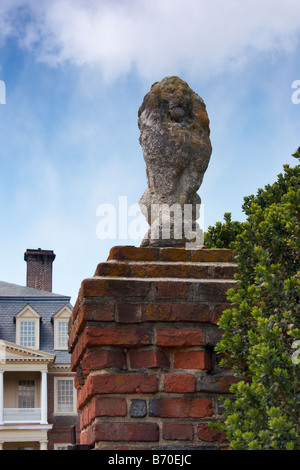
(27, 334)
(26, 394)
(61, 446)
(65, 395)
(62, 334)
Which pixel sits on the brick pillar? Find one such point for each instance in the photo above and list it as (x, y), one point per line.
(142, 337)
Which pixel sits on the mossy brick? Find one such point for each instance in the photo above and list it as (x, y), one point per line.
(166, 290)
(191, 271)
(132, 253)
(116, 288)
(167, 270)
(139, 270)
(219, 255)
(112, 269)
(212, 291)
(174, 312)
(96, 311)
(128, 312)
(174, 254)
(224, 272)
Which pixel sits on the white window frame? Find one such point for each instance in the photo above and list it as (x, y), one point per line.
(62, 316)
(63, 445)
(28, 314)
(56, 405)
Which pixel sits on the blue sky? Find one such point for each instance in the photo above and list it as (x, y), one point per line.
(76, 73)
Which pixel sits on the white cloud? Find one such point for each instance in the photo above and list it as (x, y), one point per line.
(199, 36)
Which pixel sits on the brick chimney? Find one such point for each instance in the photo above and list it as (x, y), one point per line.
(39, 268)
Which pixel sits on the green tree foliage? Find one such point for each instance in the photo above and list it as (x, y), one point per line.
(223, 235)
(261, 328)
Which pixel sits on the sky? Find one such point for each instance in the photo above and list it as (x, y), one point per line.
(73, 74)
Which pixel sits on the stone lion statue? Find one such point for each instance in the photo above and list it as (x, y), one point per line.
(174, 135)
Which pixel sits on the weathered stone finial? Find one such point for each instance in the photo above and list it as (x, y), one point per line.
(174, 135)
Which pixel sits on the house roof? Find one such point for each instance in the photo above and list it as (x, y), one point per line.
(8, 290)
(13, 298)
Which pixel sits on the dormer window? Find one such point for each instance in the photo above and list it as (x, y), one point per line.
(61, 321)
(28, 328)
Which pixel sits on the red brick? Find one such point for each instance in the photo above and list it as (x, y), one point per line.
(191, 271)
(94, 336)
(118, 432)
(193, 360)
(179, 383)
(121, 383)
(77, 353)
(218, 311)
(206, 433)
(97, 311)
(112, 269)
(179, 337)
(177, 312)
(216, 383)
(104, 358)
(73, 335)
(213, 255)
(75, 310)
(80, 377)
(171, 290)
(168, 270)
(84, 418)
(117, 336)
(213, 291)
(106, 287)
(177, 431)
(213, 335)
(180, 407)
(148, 359)
(84, 438)
(107, 406)
(224, 272)
(129, 313)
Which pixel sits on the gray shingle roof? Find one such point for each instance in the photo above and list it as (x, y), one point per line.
(13, 290)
